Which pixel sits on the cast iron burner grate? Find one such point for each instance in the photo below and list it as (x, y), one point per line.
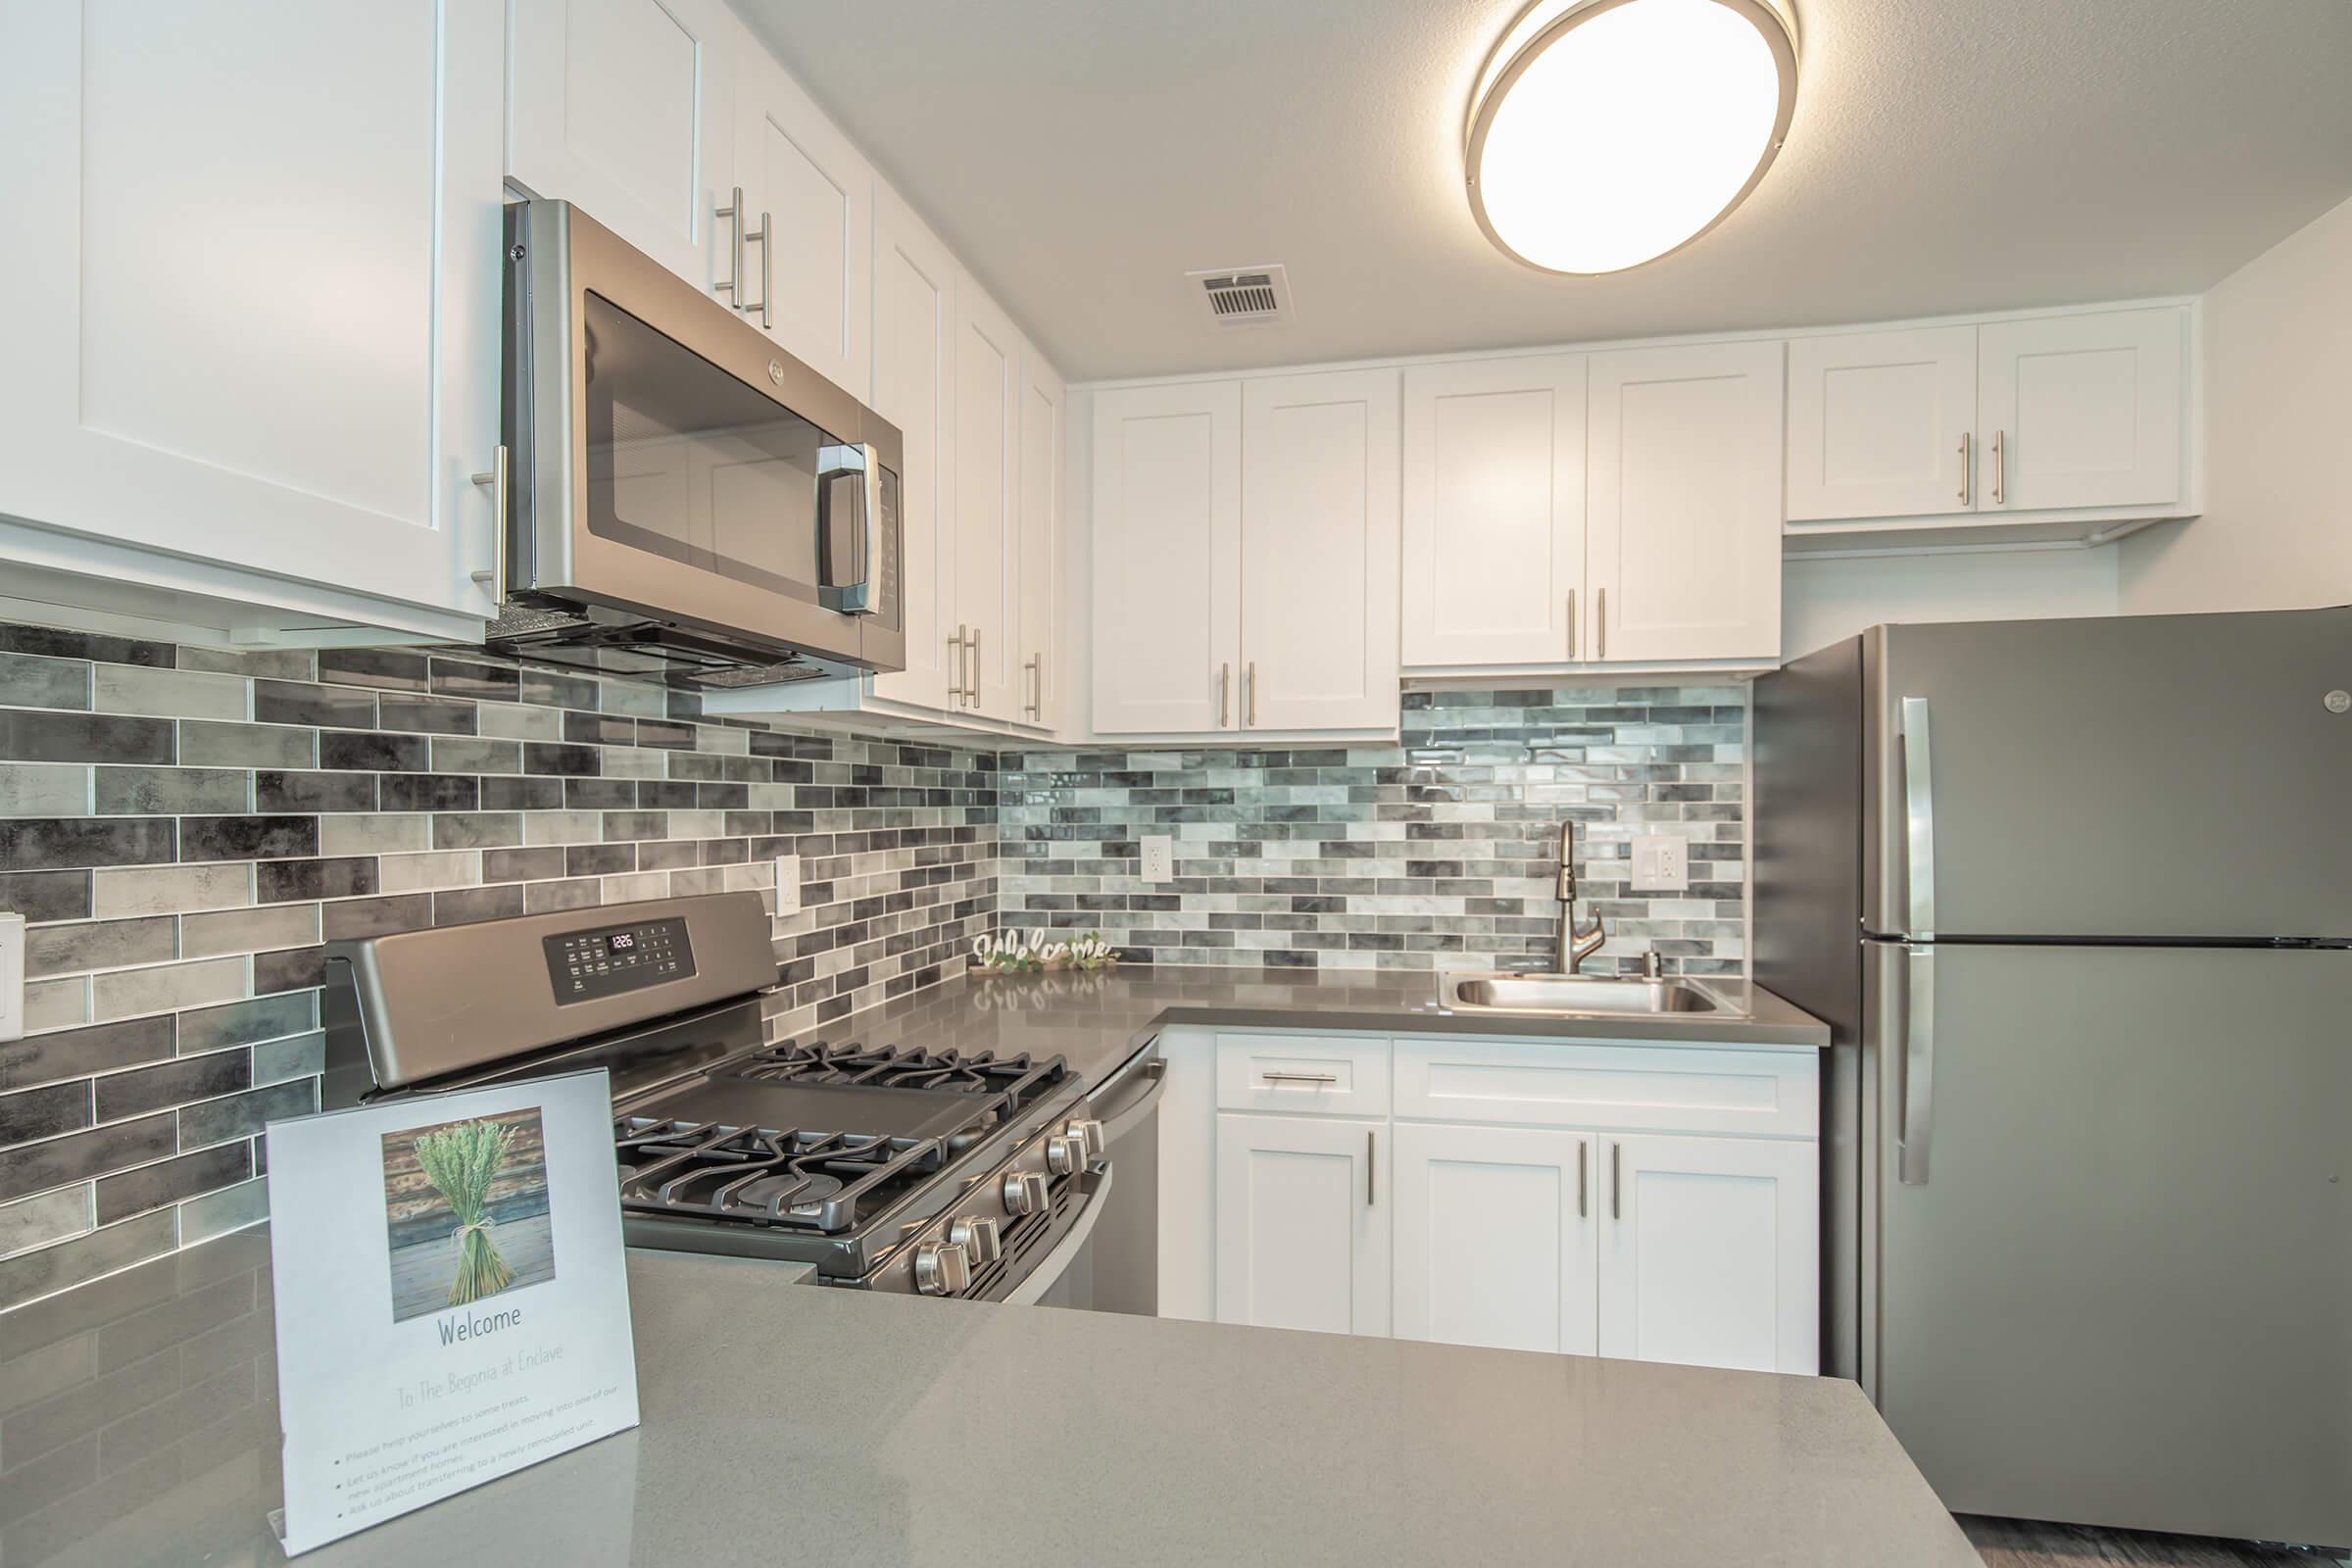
(1012, 1081)
(810, 1181)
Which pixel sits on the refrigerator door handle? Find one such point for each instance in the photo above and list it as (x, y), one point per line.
(1918, 1129)
(1918, 818)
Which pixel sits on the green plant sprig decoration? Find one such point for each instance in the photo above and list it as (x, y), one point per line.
(462, 1161)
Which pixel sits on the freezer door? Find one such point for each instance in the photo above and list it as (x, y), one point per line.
(2120, 1291)
(2146, 776)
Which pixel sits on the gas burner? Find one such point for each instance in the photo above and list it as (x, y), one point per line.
(806, 1180)
(1012, 1081)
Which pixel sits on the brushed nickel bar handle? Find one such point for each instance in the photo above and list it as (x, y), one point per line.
(975, 678)
(1298, 1077)
(2000, 469)
(733, 211)
(767, 264)
(1371, 1154)
(1225, 695)
(1571, 623)
(1964, 475)
(1616, 1181)
(1249, 693)
(1036, 686)
(956, 682)
(1584, 1177)
(1601, 621)
(496, 479)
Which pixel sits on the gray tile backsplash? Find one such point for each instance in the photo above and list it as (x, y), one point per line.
(184, 827)
(1434, 853)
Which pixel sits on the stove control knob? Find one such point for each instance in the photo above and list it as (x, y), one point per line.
(941, 1268)
(1025, 1192)
(1089, 1135)
(976, 1233)
(1066, 1155)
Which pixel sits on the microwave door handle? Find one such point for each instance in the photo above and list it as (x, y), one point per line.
(855, 596)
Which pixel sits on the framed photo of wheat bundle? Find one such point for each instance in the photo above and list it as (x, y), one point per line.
(452, 1298)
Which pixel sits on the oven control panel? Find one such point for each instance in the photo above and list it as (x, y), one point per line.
(611, 959)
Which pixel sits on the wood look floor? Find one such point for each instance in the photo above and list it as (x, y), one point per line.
(2027, 1544)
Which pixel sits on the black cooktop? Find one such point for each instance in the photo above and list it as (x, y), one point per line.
(816, 1136)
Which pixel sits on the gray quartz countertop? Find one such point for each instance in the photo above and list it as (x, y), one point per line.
(1097, 1020)
(785, 1423)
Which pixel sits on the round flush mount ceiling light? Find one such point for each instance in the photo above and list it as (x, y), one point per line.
(1606, 133)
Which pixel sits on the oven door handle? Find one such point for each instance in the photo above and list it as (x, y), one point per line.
(1050, 1268)
(853, 596)
(1118, 1124)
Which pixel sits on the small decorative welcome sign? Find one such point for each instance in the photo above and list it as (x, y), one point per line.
(452, 1303)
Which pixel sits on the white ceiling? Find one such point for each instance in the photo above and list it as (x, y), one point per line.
(1947, 155)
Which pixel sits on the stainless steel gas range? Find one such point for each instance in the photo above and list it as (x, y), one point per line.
(895, 1170)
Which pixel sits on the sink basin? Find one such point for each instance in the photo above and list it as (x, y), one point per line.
(1570, 995)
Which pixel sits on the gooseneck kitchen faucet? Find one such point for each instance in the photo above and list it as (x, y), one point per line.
(1573, 945)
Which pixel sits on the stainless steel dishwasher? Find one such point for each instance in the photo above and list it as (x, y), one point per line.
(1117, 1270)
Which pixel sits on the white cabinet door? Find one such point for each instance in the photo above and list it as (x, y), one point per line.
(621, 107)
(1685, 551)
(2087, 409)
(1881, 425)
(915, 389)
(1302, 1223)
(1493, 510)
(251, 254)
(1038, 693)
(812, 283)
(1497, 1240)
(1710, 1252)
(988, 390)
(1319, 617)
(1167, 525)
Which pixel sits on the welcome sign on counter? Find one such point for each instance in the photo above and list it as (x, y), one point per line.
(452, 1301)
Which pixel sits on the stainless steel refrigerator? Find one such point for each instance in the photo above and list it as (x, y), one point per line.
(2077, 898)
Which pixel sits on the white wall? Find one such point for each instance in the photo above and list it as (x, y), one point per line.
(1823, 601)
(2276, 533)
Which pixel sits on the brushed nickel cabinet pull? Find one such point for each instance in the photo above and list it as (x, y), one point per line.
(763, 236)
(2000, 469)
(1601, 621)
(1616, 1181)
(1584, 1177)
(1225, 695)
(1571, 623)
(1037, 687)
(1371, 1153)
(956, 680)
(1964, 445)
(1298, 1077)
(1250, 694)
(973, 684)
(496, 479)
(733, 212)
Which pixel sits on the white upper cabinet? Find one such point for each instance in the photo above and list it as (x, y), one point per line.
(812, 282)
(988, 391)
(623, 108)
(1497, 1239)
(1684, 482)
(1494, 511)
(1976, 425)
(252, 257)
(1302, 1223)
(915, 389)
(1319, 551)
(2080, 410)
(1882, 424)
(1167, 470)
(1710, 1252)
(1038, 617)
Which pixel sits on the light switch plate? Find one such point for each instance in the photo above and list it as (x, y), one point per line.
(1159, 858)
(1661, 863)
(12, 976)
(788, 883)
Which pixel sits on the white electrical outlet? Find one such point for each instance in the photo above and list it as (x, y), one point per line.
(12, 976)
(1661, 863)
(1159, 858)
(788, 883)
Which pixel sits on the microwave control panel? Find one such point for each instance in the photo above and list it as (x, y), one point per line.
(585, 965)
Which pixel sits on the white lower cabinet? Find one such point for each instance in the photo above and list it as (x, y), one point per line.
(1710, 1252)
(1645, 1232)
(1497, 1242)
(1302, 1223)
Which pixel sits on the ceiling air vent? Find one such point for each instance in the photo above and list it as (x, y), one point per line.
(1243, 296)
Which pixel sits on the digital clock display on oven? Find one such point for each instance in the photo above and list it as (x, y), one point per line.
(587, 964)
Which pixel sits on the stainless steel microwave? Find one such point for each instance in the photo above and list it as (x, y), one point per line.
(684, 499)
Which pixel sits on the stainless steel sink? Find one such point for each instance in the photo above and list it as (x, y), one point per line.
(1570, 995)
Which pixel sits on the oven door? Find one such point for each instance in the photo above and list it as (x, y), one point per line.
(1116, 1269)
(675, 463)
